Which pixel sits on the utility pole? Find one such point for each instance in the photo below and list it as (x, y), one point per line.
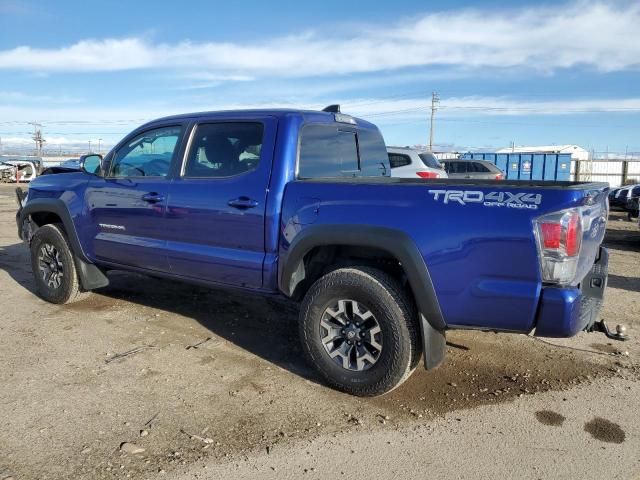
(99, 142)
(435, 101)
(37, 137)
(89, 146)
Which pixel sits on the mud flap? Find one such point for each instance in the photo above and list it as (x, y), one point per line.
(434, 344)
(20, 197)
(91, 277)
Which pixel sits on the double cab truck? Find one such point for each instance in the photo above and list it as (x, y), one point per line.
(302, 204)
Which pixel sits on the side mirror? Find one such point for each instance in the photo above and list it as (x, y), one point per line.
(91, 164)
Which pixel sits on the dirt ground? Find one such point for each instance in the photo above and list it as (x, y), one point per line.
(192, 380)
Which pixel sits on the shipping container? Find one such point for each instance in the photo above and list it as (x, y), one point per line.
(528, 166)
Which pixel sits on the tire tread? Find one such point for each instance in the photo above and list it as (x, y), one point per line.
(397, 299)
(73, 291)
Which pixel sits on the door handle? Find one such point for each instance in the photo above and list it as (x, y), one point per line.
(242, 203)
(153, 198)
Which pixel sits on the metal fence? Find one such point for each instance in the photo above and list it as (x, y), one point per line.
(616, 172)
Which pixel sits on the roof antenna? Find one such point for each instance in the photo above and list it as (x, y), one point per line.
(332, 109)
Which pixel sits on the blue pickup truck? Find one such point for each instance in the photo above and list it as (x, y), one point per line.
(302, 204)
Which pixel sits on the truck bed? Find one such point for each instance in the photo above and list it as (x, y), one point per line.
(463, 182)
(478, 244)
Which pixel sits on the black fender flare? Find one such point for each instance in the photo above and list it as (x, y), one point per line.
(396, 243)
(91, 277)
(58, 207)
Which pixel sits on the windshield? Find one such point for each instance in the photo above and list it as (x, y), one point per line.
(430, 160)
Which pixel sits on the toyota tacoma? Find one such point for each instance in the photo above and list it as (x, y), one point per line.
(302, 204)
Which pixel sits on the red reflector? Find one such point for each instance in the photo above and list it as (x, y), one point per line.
(574, 236)
(551, 234)
(428, 174)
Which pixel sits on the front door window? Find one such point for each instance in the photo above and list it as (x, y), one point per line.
(148, 155)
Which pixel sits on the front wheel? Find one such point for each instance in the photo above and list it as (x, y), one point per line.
(358, 328)
(53, 266)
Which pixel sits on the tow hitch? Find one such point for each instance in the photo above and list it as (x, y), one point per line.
(620, 334)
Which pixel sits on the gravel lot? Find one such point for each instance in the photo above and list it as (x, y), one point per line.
(213, 386)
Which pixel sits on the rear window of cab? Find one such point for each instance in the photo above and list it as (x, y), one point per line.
(336, 150)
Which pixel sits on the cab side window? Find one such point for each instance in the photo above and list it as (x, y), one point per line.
(148, 155)
(224, 149)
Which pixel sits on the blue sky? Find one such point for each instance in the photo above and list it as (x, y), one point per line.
(528, 72)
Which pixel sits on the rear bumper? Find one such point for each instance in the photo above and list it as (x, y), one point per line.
(564, 312)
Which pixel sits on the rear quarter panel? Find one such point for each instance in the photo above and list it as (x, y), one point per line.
(482, 259)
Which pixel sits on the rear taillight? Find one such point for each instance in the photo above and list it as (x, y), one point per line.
(428, 174)
(551, 233)
(559, 237)
(499, 176)
(574, 235)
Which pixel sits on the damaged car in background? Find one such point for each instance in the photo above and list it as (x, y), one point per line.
(22, 170)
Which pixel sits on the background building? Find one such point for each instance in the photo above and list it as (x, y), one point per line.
(576, 151)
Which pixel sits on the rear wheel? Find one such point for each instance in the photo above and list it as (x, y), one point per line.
(358, 328)
(53, 266)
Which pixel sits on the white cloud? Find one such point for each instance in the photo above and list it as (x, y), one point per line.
(511, 106)
(74, 126)
(596, 34)
(117, 121)
(215, 77)
(471, 106)
(16, 141)
(54, 145)
(12, 7)
(50, 141)
(210, 80)
(11, 97)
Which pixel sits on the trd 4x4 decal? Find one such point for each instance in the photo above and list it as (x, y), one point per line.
(491, 199)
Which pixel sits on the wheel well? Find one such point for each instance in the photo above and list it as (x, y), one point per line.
(322, 259)
(45, 218)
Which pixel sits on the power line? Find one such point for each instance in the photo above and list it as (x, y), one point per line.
(81, 122)
(393, 112)
(491, 123)
(67, 133)
(384, 99)
(542, 109)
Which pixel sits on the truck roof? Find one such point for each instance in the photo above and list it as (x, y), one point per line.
(309, 115)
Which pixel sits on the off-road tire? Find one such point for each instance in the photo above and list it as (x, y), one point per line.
(395, 314)
(69, 290)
